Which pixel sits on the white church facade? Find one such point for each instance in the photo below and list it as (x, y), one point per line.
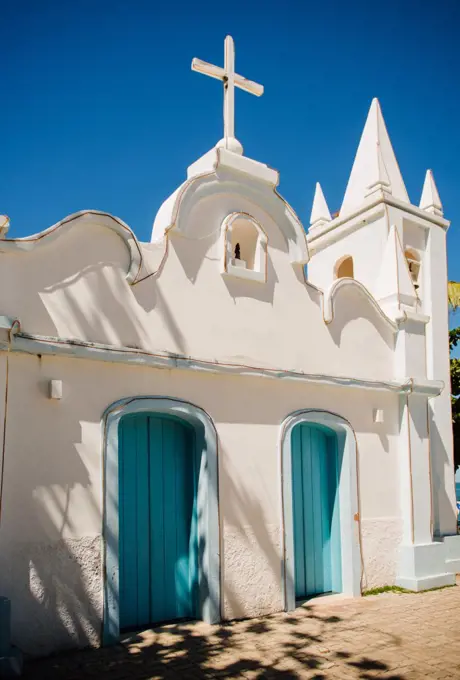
(234, 417)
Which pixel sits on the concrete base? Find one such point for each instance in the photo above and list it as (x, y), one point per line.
(422, 567)
(419, 584)
(452, 553)
(11, 664)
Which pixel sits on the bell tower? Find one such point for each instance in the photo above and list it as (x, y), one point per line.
(398, 252)
(363, 235)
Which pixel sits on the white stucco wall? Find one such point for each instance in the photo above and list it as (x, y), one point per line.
(171, 298)
(68, 289)
(422, 343)
(52, 523)
(365, 245)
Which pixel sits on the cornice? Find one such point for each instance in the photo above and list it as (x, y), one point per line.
(79, 349)
(370, 210)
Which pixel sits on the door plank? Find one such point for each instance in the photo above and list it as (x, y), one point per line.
(298, 513)
(316, 517)
(170, 517)
(130, 542)
(158, 482)
(156, 479)
(143, 521)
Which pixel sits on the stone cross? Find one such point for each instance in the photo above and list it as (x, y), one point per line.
(230, 80)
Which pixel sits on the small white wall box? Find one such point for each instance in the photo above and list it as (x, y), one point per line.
(378, 415)
(55, 389)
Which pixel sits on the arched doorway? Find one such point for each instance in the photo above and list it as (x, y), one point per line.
(320, 506)
(159, 468)
(316, 510)
(161, 519)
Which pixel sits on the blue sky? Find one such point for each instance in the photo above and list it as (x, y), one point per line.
(101, 110)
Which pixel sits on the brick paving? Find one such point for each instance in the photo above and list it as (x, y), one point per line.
(392, 636)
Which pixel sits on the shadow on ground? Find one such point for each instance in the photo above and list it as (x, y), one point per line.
(296, 645)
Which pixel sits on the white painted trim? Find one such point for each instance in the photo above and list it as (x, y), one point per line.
(408, 315)
(29, 243)
(174, 214)
(208, 504)
(452, 551)
(248, 166)
(246, 274)
(79, 349)
(348, 495)
(329, 233)
(8, 323)
(423, 566)
(337, 285)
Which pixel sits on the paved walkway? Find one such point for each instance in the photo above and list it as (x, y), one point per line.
(393, 636)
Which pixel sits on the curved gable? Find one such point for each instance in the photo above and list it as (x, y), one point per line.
(74, 221)
(236, 183)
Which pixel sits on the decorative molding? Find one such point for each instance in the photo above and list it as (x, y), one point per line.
(96, 217)
(320, 238)
(331, 293)
(208, 504)
(409, 315)
(80, 349)
(8, 323)
(349, 501)
(169, 218)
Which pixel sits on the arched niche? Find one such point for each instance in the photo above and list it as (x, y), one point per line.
(344, 268)
(244, 248)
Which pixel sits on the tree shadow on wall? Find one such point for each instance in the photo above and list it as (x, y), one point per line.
(53, 581)
(305, 643)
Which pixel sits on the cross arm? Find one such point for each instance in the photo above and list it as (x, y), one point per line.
(249, 85)
(208, 69)
(220, 74)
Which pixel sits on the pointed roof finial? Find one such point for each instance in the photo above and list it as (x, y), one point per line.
(395, 287)
(430, 200)
(320, 212)
(375, 160)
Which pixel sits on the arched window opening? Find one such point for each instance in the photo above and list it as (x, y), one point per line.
(344, 268)
(244, 239)
(245, 247)
(413, 262)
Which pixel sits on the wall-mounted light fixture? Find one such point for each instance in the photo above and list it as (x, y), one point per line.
(55, 389)
(378, 415)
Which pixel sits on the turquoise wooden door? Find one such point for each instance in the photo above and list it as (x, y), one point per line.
(158, 552)
(315, 474)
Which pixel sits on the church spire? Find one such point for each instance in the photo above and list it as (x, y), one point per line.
(430, 200)
(375, 166)
(320, 212)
